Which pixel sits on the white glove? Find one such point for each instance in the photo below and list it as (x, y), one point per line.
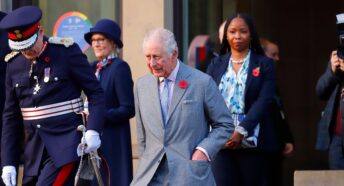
(9, 175)
(92, 141)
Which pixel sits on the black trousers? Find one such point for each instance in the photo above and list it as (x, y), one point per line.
(49, 174)
(242, 167)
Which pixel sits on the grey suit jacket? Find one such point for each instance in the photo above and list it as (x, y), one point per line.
(193, 110)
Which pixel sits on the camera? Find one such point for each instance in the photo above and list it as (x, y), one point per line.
(340, 30)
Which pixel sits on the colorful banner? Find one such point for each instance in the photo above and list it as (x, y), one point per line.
(74, 25)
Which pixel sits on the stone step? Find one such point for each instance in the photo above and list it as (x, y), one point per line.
(319, 178)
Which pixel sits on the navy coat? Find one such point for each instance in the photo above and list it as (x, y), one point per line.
(70, 73)
(259, 94)
(117, 83)
(248, 164)
(4, 49)
(327, 88)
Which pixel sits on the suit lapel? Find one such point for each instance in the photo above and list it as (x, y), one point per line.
(178, 92)
(253, 64)
(222, 68)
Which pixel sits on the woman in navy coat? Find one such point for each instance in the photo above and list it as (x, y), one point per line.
(246, 79)
(115, 78)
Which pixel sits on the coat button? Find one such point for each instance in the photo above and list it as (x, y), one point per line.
(38, 126)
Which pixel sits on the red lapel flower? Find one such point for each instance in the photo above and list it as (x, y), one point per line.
(109, 63)
(256, 72)
(47, 59)
(183, 84)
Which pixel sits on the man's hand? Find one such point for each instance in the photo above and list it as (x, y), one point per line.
(9, 175)
(288, 149)
(235, 141)
(92, 141)
(199, 156)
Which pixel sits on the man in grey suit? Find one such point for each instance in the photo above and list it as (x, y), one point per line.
(182, 120)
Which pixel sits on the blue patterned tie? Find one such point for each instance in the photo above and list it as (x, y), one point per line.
(164, 100)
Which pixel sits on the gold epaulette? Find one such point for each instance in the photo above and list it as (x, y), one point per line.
(11, 55)
(66, 41)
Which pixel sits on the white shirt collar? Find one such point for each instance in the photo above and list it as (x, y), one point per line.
(172, 77)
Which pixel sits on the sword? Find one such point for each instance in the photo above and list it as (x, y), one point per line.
(94, 157)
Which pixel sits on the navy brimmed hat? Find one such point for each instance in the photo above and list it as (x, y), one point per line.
(22, 27)
(108, 28)
(2, 15)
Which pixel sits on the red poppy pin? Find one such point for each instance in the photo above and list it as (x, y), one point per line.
(183, 84)
(47, 59)
(256, 72)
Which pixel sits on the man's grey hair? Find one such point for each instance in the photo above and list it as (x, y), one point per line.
(164, 36)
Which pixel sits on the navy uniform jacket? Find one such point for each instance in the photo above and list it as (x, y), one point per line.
(4, 49)
(259, 94)
(70, 73)
(117, 83)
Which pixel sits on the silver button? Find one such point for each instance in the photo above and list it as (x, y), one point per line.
(56, 78)
(17, 85)
(38, 126)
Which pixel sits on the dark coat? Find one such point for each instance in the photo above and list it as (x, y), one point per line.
(117, 83)
(281, 124)
(248, 165)
(4, 49)
(70, 74)
(328, 89)
(259, 94)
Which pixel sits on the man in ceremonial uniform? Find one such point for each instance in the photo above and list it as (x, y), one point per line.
(44, 81)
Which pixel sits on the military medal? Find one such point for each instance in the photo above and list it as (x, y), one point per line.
(36, 89)
(30, 72)
(37, 86)
(46, 75)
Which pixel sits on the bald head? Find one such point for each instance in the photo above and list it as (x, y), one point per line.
(271, 49)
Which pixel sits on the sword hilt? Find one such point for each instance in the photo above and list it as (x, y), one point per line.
(94, 158)
(81, 128)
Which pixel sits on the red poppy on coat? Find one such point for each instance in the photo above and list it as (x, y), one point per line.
(183, 84)
(256, 72)
(47, 59)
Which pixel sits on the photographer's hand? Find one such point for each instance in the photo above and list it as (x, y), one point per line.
(341, 62)
(335, 61)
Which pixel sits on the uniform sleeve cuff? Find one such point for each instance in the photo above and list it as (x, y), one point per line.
(204, 151)
(92, 132)
(241, 130)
